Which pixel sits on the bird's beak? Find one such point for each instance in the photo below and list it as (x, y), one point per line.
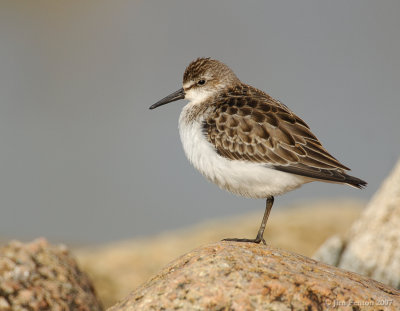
(179, 94)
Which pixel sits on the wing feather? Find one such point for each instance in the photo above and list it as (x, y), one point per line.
(249, 125)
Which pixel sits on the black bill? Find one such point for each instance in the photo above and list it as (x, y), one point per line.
(179, 94)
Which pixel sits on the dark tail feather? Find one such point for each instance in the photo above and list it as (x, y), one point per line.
(329, 175)
(355, 182)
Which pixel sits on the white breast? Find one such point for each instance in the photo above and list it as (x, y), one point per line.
(243, 178)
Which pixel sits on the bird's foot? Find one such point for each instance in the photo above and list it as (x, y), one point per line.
(257, 240)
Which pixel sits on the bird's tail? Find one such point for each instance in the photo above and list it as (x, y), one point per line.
(355, 182)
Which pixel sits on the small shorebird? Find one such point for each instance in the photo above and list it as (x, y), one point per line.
(247, 142)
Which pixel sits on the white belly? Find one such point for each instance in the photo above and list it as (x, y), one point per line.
(243, 178)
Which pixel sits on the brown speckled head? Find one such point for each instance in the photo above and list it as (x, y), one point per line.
(203, 78)
(206, 76)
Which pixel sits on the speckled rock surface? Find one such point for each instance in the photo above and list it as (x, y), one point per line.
(246, 276)
(38, 276)
(300, 228)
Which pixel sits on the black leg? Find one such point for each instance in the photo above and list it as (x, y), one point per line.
(260, 235)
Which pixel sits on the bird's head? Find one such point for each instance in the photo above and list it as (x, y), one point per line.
(203, 78)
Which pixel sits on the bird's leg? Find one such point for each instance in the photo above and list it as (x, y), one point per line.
(268, 207)
(260, 235)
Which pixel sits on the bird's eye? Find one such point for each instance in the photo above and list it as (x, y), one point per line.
(201, 82)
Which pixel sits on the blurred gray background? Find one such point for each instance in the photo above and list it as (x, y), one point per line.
(82, 159)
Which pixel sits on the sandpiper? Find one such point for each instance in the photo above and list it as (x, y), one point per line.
(247, 142)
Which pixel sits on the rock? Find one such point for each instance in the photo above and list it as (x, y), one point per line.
(301, 228)
(330, 252)
(38, 276)
(372, 245)
(246, 276)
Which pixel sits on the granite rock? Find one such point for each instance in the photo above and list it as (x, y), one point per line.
(117, 268)
(39, 276)
(247, 276)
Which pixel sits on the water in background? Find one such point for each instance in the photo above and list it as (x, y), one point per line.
(83, 159)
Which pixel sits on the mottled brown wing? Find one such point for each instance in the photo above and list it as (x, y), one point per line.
(249, 125)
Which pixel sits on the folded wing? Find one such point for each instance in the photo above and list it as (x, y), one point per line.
(249, 125)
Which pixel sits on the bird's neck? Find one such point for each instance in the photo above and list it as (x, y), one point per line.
(196, 109)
